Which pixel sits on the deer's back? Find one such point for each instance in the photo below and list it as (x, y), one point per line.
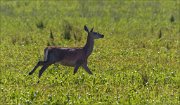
(64, 56)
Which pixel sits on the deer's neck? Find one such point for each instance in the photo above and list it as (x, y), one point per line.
(88, 48)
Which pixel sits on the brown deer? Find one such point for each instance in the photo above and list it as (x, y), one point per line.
(74, 57)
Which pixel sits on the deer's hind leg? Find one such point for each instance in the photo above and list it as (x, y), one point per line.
(40, 63)
(45, 66)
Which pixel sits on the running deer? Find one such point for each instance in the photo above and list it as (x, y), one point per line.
(74, 57)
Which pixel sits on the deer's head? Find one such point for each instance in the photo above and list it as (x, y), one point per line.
(92, 34)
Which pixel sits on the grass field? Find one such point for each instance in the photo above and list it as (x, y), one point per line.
(137, 63)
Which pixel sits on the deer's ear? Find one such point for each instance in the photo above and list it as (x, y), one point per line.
(86, 29)
(92, 29)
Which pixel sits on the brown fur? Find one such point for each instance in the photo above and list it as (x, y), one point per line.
(74, 57)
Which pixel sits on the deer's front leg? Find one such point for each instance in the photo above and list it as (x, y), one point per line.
(78, 64)
(76, 68)
(86, 68)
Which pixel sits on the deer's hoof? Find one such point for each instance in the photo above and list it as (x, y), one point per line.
(30, 73)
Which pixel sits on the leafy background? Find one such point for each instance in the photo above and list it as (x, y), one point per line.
(136, 63)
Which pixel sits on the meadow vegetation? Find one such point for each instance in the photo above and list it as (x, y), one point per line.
(137, 63)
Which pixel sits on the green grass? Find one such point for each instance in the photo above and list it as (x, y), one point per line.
(137, 63)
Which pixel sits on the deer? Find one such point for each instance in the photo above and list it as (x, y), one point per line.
(72, 57)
